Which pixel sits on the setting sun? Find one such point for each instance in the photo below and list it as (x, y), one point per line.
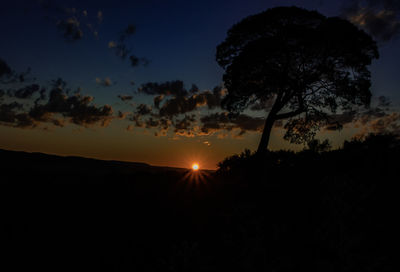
(195, 166)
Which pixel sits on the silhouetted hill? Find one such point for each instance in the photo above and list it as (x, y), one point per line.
(278, 211)
(44, 162)
(71, 213)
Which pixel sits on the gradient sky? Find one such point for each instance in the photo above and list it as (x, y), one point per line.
(179, 40)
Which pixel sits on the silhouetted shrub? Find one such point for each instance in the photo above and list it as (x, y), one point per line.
(373, 142)
(315, 155)
(234, 161)
(315, 209)
(316, 145)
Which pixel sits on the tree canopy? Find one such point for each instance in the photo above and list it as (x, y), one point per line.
(302, 64)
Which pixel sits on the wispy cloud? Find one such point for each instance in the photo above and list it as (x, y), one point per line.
(381, 18)
(125, 97)
(106, 82)
(123, 51)
(73, 22)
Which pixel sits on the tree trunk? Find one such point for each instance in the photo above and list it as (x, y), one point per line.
(266, 132)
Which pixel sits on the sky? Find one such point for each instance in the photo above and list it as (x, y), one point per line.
(138, 80)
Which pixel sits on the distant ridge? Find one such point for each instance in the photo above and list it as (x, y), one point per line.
(21, 160)
(43, 156)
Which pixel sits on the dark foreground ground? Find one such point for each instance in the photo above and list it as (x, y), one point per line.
(279, 212)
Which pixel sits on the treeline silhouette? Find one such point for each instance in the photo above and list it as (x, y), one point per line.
(318, 209)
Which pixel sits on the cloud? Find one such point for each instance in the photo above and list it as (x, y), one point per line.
(143, 109)
(389, 123)
(136, 118)
(359, 116)
(77, 108)
(24, 92)
(161, 124)
(135, 61)
(369, 115)
(183, 103)
(263, 105)
(207, 143)
(59, 122)
(58, 109)
(172, 98)
(221, 121)
(72, 22)
(10, 115)
(71, 28)
(338, 120)
(100, 16)
(383, 101)
(185, 123)
(248, 123)
(152, 123)
(178, 105)
(125, 97)
(112, 44)
(173, 104)
(213, 99)
(380, 18)
(166, 88)
(106, 82)
(157, 100)
(186, 133)
(123, 51)
(378, 119)
(122, 115)
(7, 75)
(194, 89)
(128, 31)
(386, 123)
(5, 70)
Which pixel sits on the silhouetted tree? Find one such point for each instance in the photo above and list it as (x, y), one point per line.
(317, 146)
(305, 64)
(373, 141)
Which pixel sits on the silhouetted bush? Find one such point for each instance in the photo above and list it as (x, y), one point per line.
(316, 150)
(373, 142)
(315, 209)
(316, 145)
